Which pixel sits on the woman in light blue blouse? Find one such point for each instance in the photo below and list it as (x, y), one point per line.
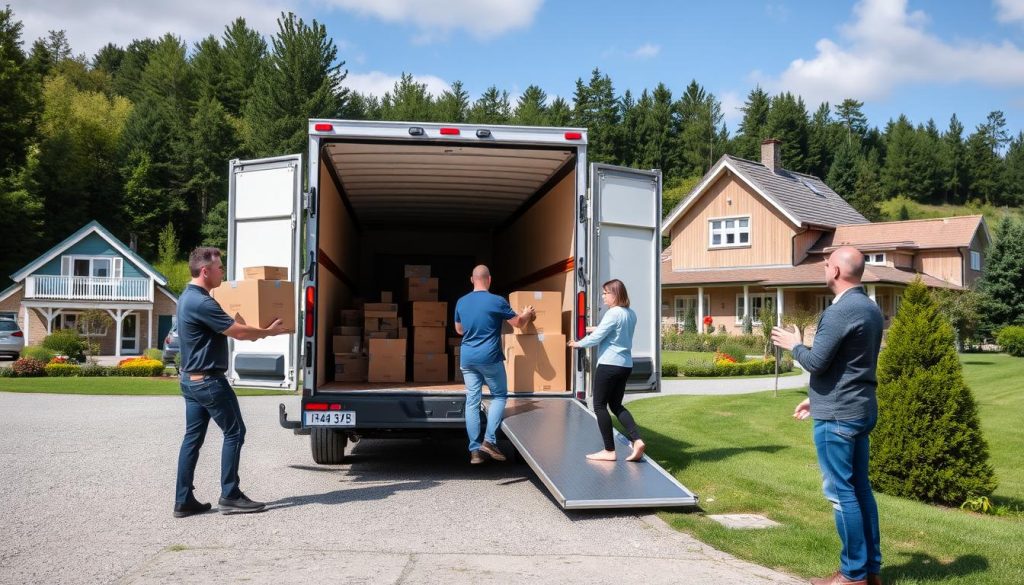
(614, 338)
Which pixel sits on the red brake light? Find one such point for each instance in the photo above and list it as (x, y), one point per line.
(309, 312)
(581, 315)
(449, 131)
(322, 127)
(17, 334)
(316, 406)
(574, 136)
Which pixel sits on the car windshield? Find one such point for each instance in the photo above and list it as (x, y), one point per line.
(6, 325)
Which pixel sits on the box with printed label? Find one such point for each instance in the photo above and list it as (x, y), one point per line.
(350, 367)
(418, 270)
(420, 288)
(348, 343)
(430, 367)
(535, 363)
(428, 339)
(258, 302)
(548, 305)
(429, 314)
(380, 310)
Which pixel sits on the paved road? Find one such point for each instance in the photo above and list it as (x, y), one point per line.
(86, 488)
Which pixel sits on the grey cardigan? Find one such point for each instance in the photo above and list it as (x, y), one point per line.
(844, 359)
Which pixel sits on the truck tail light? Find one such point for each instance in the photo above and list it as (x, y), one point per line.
(316, 406)
(449, 131)
(322, 127)
(309, 311)
(581, 315)
(574, 136)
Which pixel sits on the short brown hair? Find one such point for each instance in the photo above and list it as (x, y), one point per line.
(618, 291)
(201, 257)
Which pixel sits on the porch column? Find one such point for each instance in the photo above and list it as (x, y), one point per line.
(25, 328)
(149, 334)
(48, 313)
(778, 306)
(117, 320)
(871, 293)
(700, 309)
(746, 302)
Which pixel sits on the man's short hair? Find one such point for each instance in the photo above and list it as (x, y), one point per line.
(200, 258)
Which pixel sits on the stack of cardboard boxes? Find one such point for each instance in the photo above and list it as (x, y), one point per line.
(535, 354)
(264, 295)
(428, 318)
(350, 363)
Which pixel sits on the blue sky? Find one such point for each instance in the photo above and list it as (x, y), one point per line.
(927, 59)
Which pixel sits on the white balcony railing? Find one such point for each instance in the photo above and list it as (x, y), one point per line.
(88, 288)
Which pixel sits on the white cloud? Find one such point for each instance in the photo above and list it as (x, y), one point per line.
(482, 19)
(90, 25)
(378, 83)
(885, 47)
(646, 51)
(731, 104)
(1010, 10)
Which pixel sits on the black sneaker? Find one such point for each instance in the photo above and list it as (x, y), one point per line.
(239, 505)
(190, 509)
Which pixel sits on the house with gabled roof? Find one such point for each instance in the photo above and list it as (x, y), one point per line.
(753, 235)
(92, 269)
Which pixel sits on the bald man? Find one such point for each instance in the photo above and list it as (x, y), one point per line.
(842, 403)
(478, 319)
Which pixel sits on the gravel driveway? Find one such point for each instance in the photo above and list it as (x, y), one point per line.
(87, 482)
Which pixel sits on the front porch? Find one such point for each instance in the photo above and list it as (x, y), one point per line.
(130, 332)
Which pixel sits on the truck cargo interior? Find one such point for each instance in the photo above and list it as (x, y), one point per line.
(451, 206)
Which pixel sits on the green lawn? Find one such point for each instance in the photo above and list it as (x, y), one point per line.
(113, 385)
(745, 454)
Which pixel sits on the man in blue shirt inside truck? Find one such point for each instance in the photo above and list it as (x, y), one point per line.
(204, 328)
(479, 316)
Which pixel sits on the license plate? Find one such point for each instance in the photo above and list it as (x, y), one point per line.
(331, 418)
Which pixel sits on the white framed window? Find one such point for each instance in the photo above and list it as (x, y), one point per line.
(876, 258)
(896, 302)
(757, 302)
(824, 302)
(95, 266)
(728, 232)
(683, 304)
(975, 261)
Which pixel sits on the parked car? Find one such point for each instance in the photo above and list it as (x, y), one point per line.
(12, 340)
(172, 345)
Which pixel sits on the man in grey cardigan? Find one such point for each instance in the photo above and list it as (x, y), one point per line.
(842, 402)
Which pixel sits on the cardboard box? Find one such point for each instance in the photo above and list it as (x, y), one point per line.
(381, 335)
(352, 317)
(258, 302)
(454, 341)
(380, 310)
(403, 333)
(387, 360)
(265, 273)
(456, 368)
(346, 330)
(417, 270)
(390, 324)
(430, 367)
(371, 324)
(548, 305)
(535, 363)
(420, 288)
(429, 314)
(350, 367)
(428, 339)
(392, 347)
(386, 296)
(348, 343)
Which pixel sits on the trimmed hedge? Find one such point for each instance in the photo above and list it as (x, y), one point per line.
(1011, 339)
(94, 371)
(673, 339)
(6, 372)
(750, 368)
(154, 354)
(669, 370)
(62, 370)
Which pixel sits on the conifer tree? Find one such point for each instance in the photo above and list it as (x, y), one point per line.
(1003, 282)
(531, 107)
(493, 107)
(754, 126)
(453, 104)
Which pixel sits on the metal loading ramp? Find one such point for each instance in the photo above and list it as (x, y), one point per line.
(554, 436)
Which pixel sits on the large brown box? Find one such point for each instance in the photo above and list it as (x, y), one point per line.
(350, 367)
(417, 270)
(428, 339)
(258, 302)
(387, 360)
(265, 273)
(420, 288)
(348, 343)
(430, 367)
(352, 317)
(371, 323)
(429, 314)
(346, 330)
(380, 310)
(548, 305)
(390, 324)
(535, 363)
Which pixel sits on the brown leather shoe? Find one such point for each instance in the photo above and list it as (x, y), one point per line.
(476, 458)
(837, 578)
(493, 451)
(874, 579)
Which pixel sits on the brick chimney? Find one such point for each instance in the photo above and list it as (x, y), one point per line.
(771, 154)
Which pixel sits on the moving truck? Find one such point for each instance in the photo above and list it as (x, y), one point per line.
(381, 195)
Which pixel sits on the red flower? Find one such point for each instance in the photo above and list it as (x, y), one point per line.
(708, 321)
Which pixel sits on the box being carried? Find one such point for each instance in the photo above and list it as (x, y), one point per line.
(535, 363)
(258, 302)
(548, 305)
(265, 273)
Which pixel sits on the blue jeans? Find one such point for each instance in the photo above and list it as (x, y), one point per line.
(843, 451)
(476, 376)
(211, 397)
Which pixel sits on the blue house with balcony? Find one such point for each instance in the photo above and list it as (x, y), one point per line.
(92, 269)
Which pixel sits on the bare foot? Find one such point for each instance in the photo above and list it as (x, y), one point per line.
(638, 451)
(602, 456)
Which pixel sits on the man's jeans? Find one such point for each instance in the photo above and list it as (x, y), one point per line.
(476, 376)
(843, 457)
(211, 397)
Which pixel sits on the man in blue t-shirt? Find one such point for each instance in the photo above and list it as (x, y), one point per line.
(204, 328)
(478, 319)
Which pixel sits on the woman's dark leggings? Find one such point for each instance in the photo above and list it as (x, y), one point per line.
(609, 388)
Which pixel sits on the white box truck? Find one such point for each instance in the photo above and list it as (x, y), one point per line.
(523, 200)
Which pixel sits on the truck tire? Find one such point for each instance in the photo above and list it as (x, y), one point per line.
(328, 445)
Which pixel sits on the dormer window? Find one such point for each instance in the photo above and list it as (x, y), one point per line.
(729, 232)
(875, 258)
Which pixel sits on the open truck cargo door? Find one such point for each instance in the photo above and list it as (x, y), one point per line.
(625, 243)
(263, 207)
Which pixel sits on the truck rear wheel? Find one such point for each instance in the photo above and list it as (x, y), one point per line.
(328, 445)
